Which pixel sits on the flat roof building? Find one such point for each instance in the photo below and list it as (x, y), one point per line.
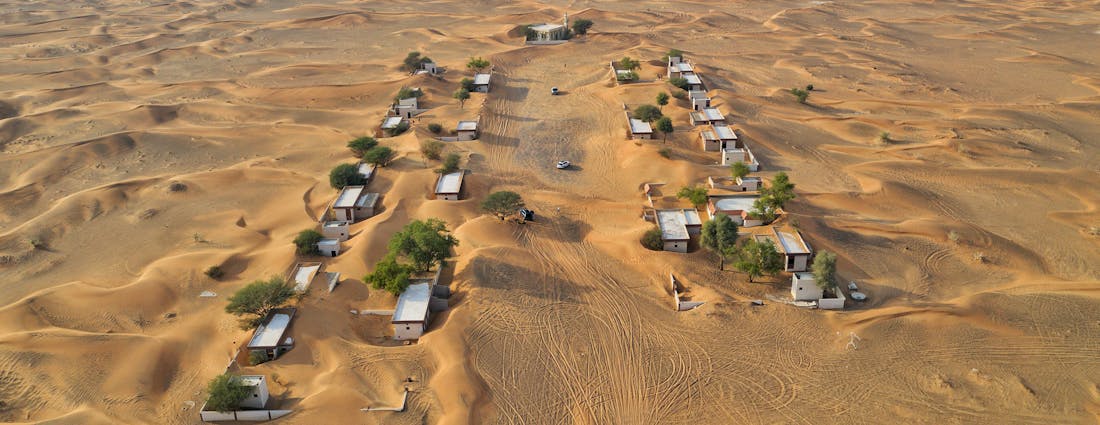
(467, 130)
(734, 206)
(731, 155)
(699, 100)
(677, 226)
(390, 123)
(271, 337)
(302, 275)
(707, 116)
(353, 203)
(718, 137)
(449, 186)
(795, 249)
(329, 247)
(551, 31)
(366, 170)
(640, 129)
(410, 318)
(481, 82)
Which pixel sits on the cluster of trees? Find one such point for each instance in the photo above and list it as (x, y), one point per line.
(415, 249)
(368, 149)
(653, 114)
(772, 197)
(628, 64)
(581, 26)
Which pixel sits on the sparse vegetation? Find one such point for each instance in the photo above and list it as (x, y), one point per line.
(665, 152)
(379, 155)
(809, 87)
(466, 83)
(758, 259)
(40, 244)
(980, 257)
(680, 94)
(435, 128)
(431, 149)
(257, 299)
(344, 175)
(953, 236)
(214, 272)
(413, 61)
(801, 94)
(502, 203)
(477, 64)
(581, 26)
(697, 195)
(628, 64)
(306, 242)
(680, 82)
(225, 393)
(177, 187)
(626, 76)
(664, 125)
(824, 270)
(884, 138)
(720, 237)
(739, 170)
(673, 53)
(662, 100)
(256, 358)
(361, 145)
(406, 93)
(401, 127)
(462, 95)
(647, 113)
(450, 164)
(651, 240)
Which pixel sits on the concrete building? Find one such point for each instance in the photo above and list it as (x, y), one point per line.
(699, 100)
(406, 108)
(428, 68)
(335, 229)
(391, 123)
(303, 275)
(410, 318)
(749, 183)
(270, 338)
(737, 207)
(449, 186)
(329, 247)
(639, 129)
(257, 391)
(796, 251)
(354, 203)
(481, 82)
(718, 137)
(466, 130)
(694, 82)
(677, 226)
(253, 408)
(367, 171)
(731, 155)
(678, 67)
(551, 31)
(804, 288)
(711, 116)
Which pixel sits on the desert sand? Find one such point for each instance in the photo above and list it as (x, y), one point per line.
(992, 109)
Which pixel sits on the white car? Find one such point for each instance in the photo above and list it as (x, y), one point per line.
(563, 165)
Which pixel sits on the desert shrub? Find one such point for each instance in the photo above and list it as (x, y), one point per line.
(450, 164)
(673, 53)
(432, 149)
(581, 26)
(379, 155)
(809, 87)
(214, 272)
(435, 127)
(802, 95)
(980, 257)
(345, 175)
(256, 358)
(413, 60)
(225, 393)
(647, 113)
(400, 128)
(306, 242)
(477, 64)
(884, 137)
(627, 63)
(177, 187)
(361, 145)
(680, 94)
(652, 241)
(665, 152)
(679, 82)
(953, 236)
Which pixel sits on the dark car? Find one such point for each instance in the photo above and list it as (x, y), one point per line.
(526, 214)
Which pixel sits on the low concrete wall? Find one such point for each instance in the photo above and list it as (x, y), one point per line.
(242, 415)
(545, 42)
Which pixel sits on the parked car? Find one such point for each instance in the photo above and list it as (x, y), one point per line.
(563, 165)
(553, 91)
(526, 214)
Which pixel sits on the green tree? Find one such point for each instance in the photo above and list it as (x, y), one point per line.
(664, 125)
(389, 275)
(680, 82)
(450, 164)
(758, 259)
(673, 53)
(581, 26)
(800, 94)
(647, 113)
(626, 76)
(779, 192)
(739, 169)
(225, 393)
(344, 175)
(413, 61)
(720, 237)
(401, 127)
(361, 145)
(462, 94)
(697, 195)
(662, 100)
(629, 64)
(467, 84)
(824, 270)
(502, 203)
(379, 155)
(306, 241)
(423, 243)
(477, 64)
(652, 240)
(435, 127)
(257, 299)
(406, 93)
(431, 149)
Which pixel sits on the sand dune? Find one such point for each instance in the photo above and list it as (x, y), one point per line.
(142, 143)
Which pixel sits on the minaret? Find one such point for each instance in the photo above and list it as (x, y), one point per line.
(565, 20)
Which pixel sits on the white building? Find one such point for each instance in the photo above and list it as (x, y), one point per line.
(731, 155)
(303, 275)
(391, 123)
(710, 116)
(550, 32)
(271, 337)
(804, 288)
(354, 203)
(699, 100)
(749, 183)
(796, 251)
(449, 186)
(677, 226)
(253, 408)
(718, 137)
(428, 68)
(410, 318)
(329, 247)
(737, 207)
(405, 108)
(466, 130)
(678, 67)
(257, 391)
(693, 81)
(335, 229)
(481, 82)
(640, 129)
(366, 171)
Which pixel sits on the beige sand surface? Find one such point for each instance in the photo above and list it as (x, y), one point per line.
(992, 108)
